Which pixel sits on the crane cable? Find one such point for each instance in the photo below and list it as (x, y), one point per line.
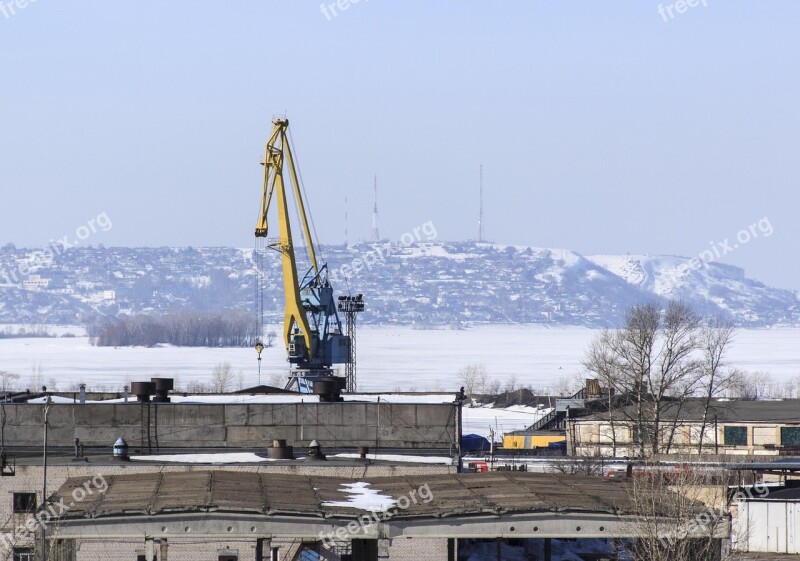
(309, 214)
(258, 260)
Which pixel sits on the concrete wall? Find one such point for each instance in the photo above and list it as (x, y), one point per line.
(418, 549)
(154, 425)
(245, 549)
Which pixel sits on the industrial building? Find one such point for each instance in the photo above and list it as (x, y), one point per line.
(732, 427)
(235, 515)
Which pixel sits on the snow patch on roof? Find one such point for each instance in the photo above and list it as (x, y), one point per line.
(440, 460)
(362, 497)
(222, 458)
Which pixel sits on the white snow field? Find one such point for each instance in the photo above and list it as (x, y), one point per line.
(389, 358)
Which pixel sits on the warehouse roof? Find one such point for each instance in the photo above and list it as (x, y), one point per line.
(325, 497)
(721, 411)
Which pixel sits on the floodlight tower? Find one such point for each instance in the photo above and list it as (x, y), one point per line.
(350, 306)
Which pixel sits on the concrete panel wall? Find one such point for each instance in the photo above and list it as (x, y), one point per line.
(157, 425)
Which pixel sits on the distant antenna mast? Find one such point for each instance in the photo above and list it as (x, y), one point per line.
(376, 237)
(346, 241)
(480, 216)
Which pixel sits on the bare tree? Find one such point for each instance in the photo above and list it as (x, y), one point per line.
(714, 340)
(511, 383)
(37, 377)
(651, 361)
(8, 380)
(231, 328)
(602, 361)
(581, 465)
(222, 377)
(566, 386)
(277, 380)
(473, 378)
(678, 515)
(749, 385)
(493, 387)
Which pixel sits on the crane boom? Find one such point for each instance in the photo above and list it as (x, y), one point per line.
(312, 331)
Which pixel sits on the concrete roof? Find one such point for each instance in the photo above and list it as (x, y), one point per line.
(244, 505)
(281, 495)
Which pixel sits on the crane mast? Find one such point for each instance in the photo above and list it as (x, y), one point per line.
(312, 332)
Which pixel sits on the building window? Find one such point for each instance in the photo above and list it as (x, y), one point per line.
(790, 436)
(24, 502)
(227, 555)
(23, 554)
(735, 436)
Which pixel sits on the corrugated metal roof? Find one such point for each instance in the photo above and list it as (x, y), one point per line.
(279, 494)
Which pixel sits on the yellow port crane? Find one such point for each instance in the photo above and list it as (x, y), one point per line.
(312, 331)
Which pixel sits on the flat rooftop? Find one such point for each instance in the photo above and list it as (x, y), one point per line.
(494, 493)
(237, 504)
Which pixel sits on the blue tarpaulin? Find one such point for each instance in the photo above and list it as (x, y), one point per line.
(474, 443)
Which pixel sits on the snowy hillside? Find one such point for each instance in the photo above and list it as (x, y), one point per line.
(426, 284)
(711, 288)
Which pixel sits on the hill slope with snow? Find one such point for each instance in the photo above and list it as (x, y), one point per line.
(711, 288)
(426, 284)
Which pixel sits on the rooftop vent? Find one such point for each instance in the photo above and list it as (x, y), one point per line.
(143, 390)
(121, 450)
(162, 387)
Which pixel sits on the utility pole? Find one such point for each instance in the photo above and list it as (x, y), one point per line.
(44, 477)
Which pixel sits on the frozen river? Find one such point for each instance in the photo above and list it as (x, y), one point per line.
(389, 358)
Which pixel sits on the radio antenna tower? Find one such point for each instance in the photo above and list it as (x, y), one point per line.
(480, 216)
(346, 240)
(376, 237)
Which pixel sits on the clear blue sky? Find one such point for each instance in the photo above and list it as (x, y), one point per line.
(601, 127)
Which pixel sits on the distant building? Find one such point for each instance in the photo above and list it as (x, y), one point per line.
(732, 427)
(529, 440)
(36, 282)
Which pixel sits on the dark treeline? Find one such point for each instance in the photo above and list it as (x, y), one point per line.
(183, 329)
